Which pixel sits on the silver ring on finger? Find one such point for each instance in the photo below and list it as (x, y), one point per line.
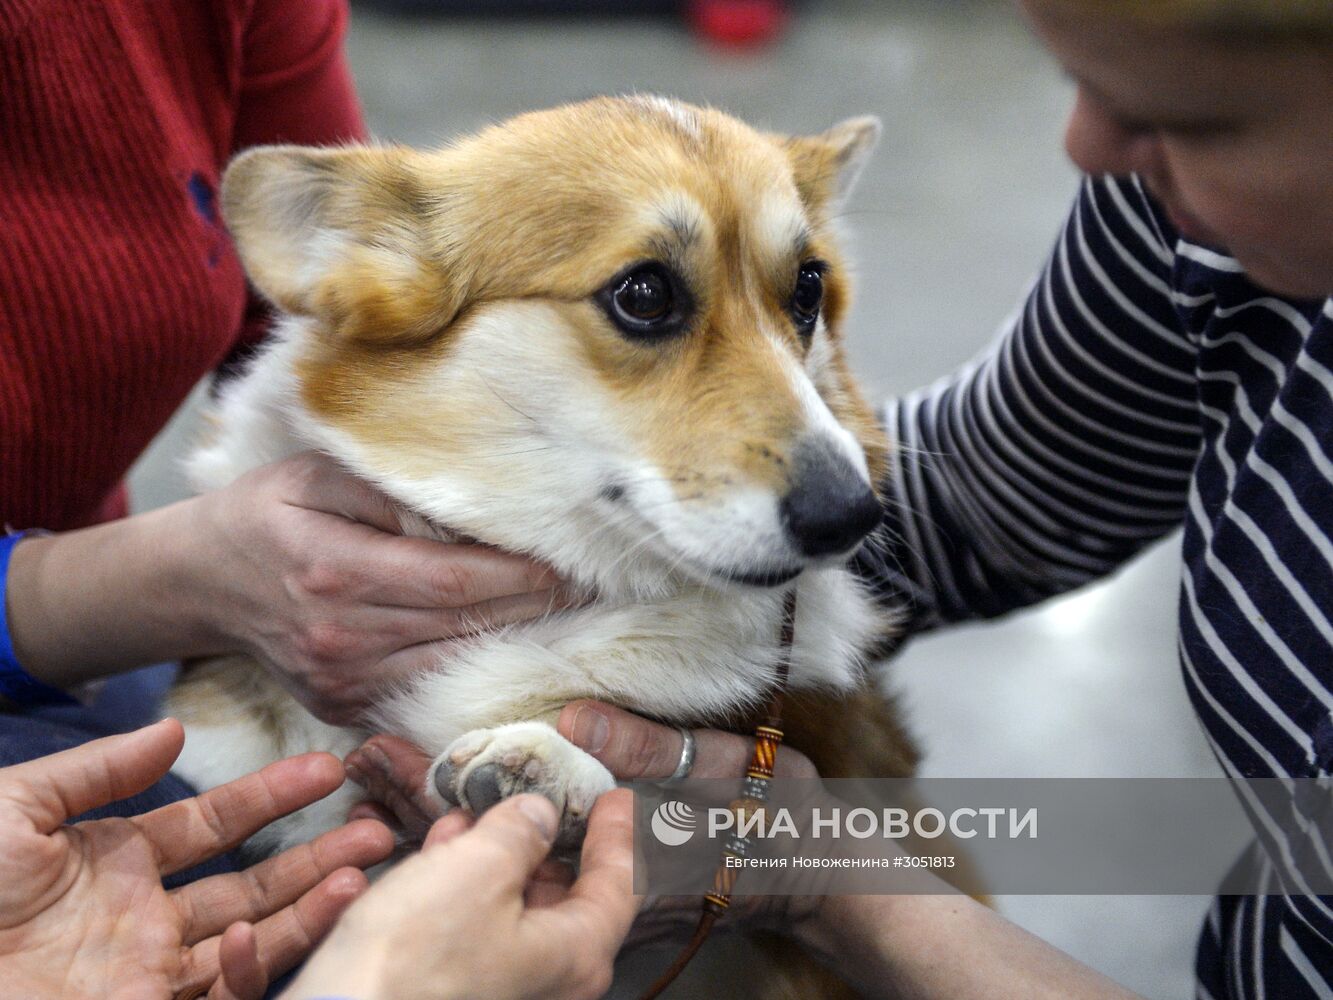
(686, 763)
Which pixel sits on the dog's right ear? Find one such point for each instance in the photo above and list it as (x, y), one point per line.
(339, 234)
(827, 166)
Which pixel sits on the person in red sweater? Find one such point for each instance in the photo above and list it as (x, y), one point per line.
(119, 291)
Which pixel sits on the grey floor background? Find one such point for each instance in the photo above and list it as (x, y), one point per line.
(950, 223)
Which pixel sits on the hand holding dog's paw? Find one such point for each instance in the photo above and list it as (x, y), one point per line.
(638, 749)
(472, 916)
(483, 767)
(392, 772)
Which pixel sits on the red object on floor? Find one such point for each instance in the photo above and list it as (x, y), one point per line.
(740, 23)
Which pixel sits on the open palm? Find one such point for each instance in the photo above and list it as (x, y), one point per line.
(83, 912)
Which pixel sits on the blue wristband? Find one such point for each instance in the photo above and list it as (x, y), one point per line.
(16, 684)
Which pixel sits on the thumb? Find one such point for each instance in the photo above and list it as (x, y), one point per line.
(51, 790)
(242, 973)
(521, 830)
(606, 876)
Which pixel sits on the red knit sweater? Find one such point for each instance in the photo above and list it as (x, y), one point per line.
(119, 288)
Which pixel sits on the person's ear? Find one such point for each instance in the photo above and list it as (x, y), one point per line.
(341, 235)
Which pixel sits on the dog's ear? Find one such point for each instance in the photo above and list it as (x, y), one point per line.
(826, 166)
(340, 235)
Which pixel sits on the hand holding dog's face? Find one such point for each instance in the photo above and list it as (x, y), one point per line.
(653, 352)
(307, 571)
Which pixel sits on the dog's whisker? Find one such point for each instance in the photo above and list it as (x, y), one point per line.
(911, 449)
(688, 498)
(521, 451)
(633, 551)
(507, 402)
(900, 503)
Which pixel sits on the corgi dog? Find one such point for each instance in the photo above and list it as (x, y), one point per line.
(606, 336)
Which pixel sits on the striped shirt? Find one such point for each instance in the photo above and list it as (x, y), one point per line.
(1146, 384)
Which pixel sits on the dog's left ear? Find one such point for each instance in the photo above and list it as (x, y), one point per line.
(828, 165)
(339, 234)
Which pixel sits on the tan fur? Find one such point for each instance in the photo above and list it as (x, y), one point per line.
(226, 688)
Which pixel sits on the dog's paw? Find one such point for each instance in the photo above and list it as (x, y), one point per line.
(486, 765)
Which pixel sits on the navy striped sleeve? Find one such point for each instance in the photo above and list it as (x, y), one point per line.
(1062, 451)
(1146, 383)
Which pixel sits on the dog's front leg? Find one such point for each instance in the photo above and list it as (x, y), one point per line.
(483, 766)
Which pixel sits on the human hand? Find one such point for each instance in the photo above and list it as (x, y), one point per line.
(393, 772)
(82, 908)
(307, 571)
(464, 918)
(636, 749)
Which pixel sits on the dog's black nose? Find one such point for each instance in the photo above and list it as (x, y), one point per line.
(830, 506)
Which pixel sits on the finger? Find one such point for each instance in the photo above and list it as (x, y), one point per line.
(457, 822)
(290, 935)
(425, 573)
(375, 811)
(404, 642)
(381, 566)
(242, 975)
(393, 772)
(320, 483)
(211, 904)
(287, 936)
(605, 879)
(600, 907)
(426, 625)
(636, 749)
(549, 884)
(51, 790)
(508, 843)
(431, 573)
(193, 830)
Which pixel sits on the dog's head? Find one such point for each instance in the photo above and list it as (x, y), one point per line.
(606, 334)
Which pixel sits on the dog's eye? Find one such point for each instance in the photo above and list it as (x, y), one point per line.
(644, 301)
(644, 296)
(808, 296)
